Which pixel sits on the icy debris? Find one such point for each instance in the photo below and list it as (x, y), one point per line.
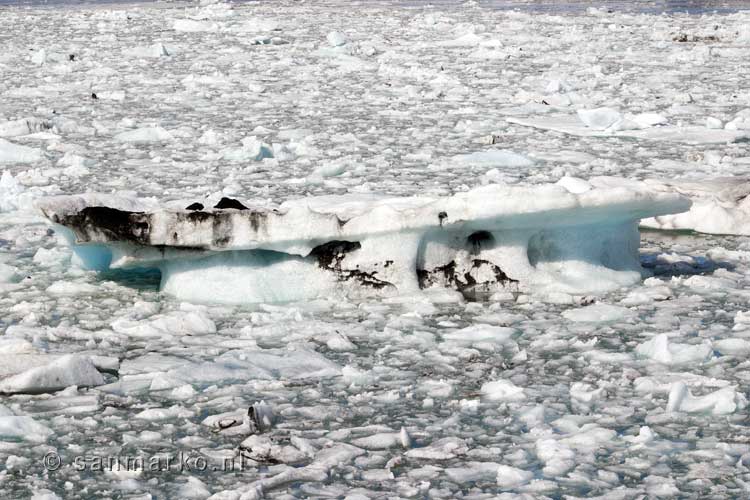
(732, 346)
(443, 449)
(714, 123)
(44, 494)
(145, 134)
(496, 158)
(60, 373)
(482, 334)
(184, 322)
(627, 127)
(599, 313)
(10, 192)
(155, 50)
(384, 440)
(8, 274)
(336, 38)
(193, 488)
(232, 423)
(263, 450)
(70, 289)
(662, 384)
(22, 428)
(645, 436)
(724, 401)
(261, 414)
(252, 149)
(502, 390)
(556, 457)
(473, 472)
(193, 26)
(23, 126)
(599, 118)
(158, 414)
(660, 349)
(512, 477)
(325, 460)
(584, 393)
(15, 153)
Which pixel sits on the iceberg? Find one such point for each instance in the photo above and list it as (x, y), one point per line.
(489, 239)
(720, 206)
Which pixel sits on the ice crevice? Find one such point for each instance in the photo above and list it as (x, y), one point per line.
(496, 238)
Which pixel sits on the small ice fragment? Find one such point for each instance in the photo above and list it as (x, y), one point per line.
(598, 313)
(405, 438)
(261, 415)
(143, 135)
(63, 372)
(646, 120)
(512, 477)
(336, 38)
(23, 428)
(599, 118)
(713, 123)
(502, 390)
(661, 350)
(721, 402)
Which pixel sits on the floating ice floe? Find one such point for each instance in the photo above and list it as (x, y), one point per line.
(37, 373)
(24, 126)
(721, 402)
(21, 428)
(15, 153)
(155, 50)
(191, 25)
(493, 238)
(145, 134)
(11, 192)
(605, 122)
(720, 206)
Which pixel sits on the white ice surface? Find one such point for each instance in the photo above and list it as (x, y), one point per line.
(382, 117)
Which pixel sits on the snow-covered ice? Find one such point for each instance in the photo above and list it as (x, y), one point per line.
(616, 367)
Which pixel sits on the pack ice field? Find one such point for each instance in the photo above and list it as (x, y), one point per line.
(373, 250)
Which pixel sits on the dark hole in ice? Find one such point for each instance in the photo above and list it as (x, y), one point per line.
(94, 96)
(194, 206)
(480, 240)
(230, 203)
(146, 279)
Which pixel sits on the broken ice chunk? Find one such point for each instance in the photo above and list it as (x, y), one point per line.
(58, 374)
(724, 401)
(599, 118)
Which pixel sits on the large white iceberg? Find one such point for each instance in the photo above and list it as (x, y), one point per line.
(493, 238)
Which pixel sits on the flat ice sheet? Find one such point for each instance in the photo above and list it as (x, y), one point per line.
(572, 125)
